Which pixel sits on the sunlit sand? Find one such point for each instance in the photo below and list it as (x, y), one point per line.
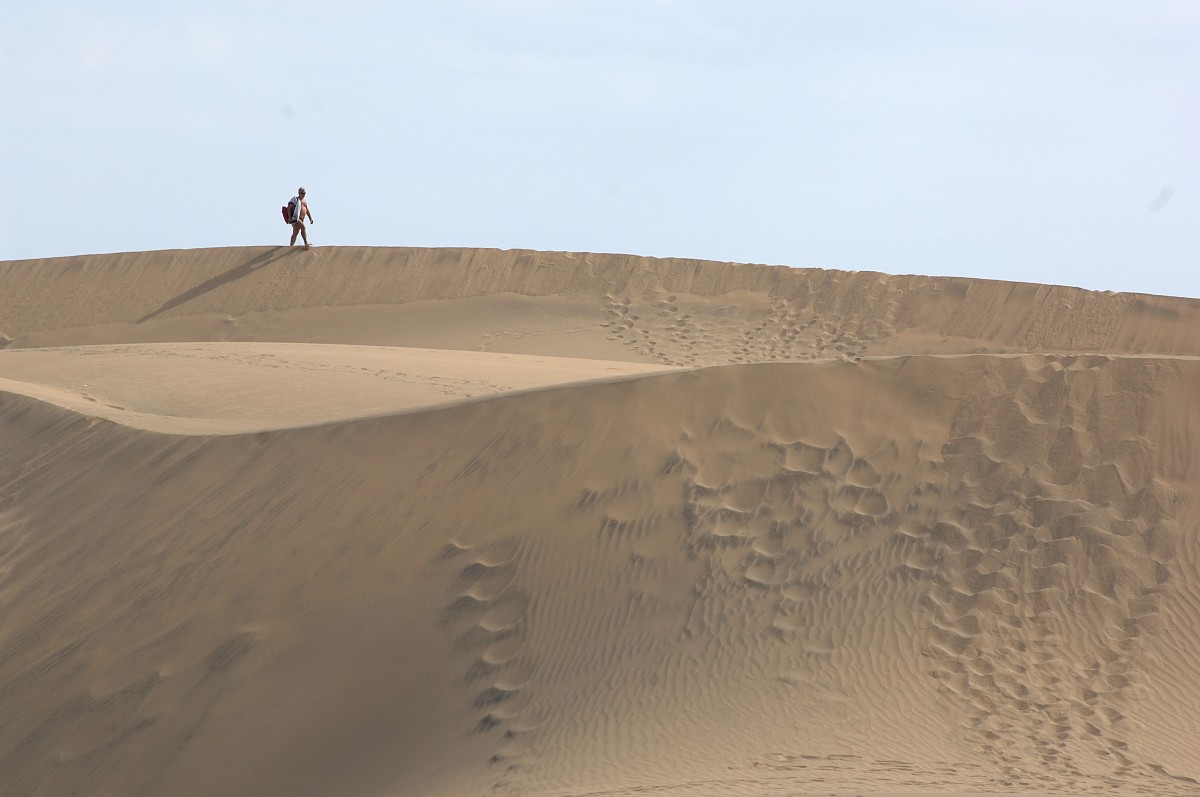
(441, 522)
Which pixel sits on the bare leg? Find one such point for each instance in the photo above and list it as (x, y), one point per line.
(296, 228)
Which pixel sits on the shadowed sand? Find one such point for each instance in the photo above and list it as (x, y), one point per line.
(469, 522)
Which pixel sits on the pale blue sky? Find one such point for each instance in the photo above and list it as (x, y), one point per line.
(1018, 139)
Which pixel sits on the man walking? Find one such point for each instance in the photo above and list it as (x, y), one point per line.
(299, 211)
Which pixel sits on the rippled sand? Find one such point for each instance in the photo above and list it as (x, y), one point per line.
(470, 522)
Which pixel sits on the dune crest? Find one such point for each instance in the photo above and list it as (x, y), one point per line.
(673, 311)
(768, 532)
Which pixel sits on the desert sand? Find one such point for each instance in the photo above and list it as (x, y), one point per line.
(434, 522)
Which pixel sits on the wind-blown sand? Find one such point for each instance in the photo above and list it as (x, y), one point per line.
(466, 522)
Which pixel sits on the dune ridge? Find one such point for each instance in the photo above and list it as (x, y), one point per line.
(659, 309)
(747, 561)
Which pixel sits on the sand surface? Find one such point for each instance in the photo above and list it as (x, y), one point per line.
(232, 388)
(433, 522)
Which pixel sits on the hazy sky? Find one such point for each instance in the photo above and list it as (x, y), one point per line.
(1022, 140)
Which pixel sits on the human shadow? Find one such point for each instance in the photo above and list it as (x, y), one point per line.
(235, 273)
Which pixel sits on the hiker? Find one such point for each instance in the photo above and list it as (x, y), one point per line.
(299, 211)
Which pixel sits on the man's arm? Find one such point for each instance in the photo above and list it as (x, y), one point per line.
(309, 212)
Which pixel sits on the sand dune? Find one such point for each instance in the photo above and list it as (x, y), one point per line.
(676, 312)
(426, 522)
(231, 388)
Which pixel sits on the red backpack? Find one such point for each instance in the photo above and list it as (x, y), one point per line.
(287, 212)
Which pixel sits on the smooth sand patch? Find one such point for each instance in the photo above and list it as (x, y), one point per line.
(232, 388)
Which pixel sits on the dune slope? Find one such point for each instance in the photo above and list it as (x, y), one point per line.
(230, 388)
(670, 311)
(884, 573)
